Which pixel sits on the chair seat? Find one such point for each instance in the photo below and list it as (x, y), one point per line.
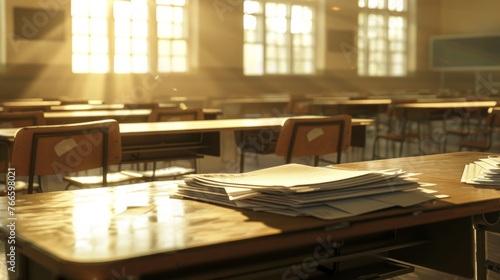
(112, 178)
(162, 172)
(21, 188)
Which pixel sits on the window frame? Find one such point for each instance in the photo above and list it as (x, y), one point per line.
(406, 14)
(152, 38)
(291, 60)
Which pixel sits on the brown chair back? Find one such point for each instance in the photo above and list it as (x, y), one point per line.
(314, 137)
(60, 149)
(172, 115)
(21, 119)
(299, 106)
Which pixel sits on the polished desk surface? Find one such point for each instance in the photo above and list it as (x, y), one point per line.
(86, 107)
(214, 125)
(89, 232)
(448, 105)
(30, 103)
(125, 115)
(321, 102)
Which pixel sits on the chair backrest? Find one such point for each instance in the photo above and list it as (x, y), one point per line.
(299, 106)
(171, 115)
(21, 119)
(60, 149)
(314, 136)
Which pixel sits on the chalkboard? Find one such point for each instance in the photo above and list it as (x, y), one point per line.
(480, 52)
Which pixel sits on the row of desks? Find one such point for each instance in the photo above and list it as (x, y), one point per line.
(146, 141)
(143, 230)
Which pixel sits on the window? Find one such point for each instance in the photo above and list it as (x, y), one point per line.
(129, 36)
(3, 37)
(279, 38)
(383, 37)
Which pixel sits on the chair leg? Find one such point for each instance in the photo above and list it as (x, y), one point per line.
(242, 161)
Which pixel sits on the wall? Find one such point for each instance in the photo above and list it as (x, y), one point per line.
(43, 68)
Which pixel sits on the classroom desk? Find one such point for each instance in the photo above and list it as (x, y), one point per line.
(145, 231)
(143, 141)
(122, 116)
(92, 107)
(370, 107)
(255, 106)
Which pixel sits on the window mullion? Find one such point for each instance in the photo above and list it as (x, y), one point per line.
(111, 37)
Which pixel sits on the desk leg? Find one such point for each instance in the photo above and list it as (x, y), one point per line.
(486, 257)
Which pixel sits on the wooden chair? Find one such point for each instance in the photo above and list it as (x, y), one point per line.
(169, 115)
(62, 149)
(400, 130)
(299, 106)
(17, 120)
(489, 142)
(173, 115)
(319, 136)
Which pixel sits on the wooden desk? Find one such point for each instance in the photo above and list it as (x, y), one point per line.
(87, 234)
(86, 107)
(257, 106)
(369, 107)
(122, 116)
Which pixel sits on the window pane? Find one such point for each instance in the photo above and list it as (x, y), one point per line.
(139, 9)
(99, 63)
(122, 28)
(98, 8)
(249, 22)
(80, 25)
(164, 13)
(179, 47)
(252, 7)
(122, 64)
(139, 64)
(164, 30)
(99, 44)
(79, 8)
(253, 59)
(178, 15)
(121, 10)
(139, 46)
(81, 44)
(164, 47)
(98, 26)
(139, 29)
(122, 45)
(80, 63)
(164, 64)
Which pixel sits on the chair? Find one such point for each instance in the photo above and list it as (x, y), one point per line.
(61, 149)
(399, 127)
(312, 137)
(492, 122)
(169, 115)
(299, 106)
(17, 120)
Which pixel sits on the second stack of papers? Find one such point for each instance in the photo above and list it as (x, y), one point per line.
(300, 190)
(484, 172)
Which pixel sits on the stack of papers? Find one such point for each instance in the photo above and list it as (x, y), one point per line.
(484, 172)
(300, 190)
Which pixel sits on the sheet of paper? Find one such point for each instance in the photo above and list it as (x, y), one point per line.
(359, 205)
(404, 198)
